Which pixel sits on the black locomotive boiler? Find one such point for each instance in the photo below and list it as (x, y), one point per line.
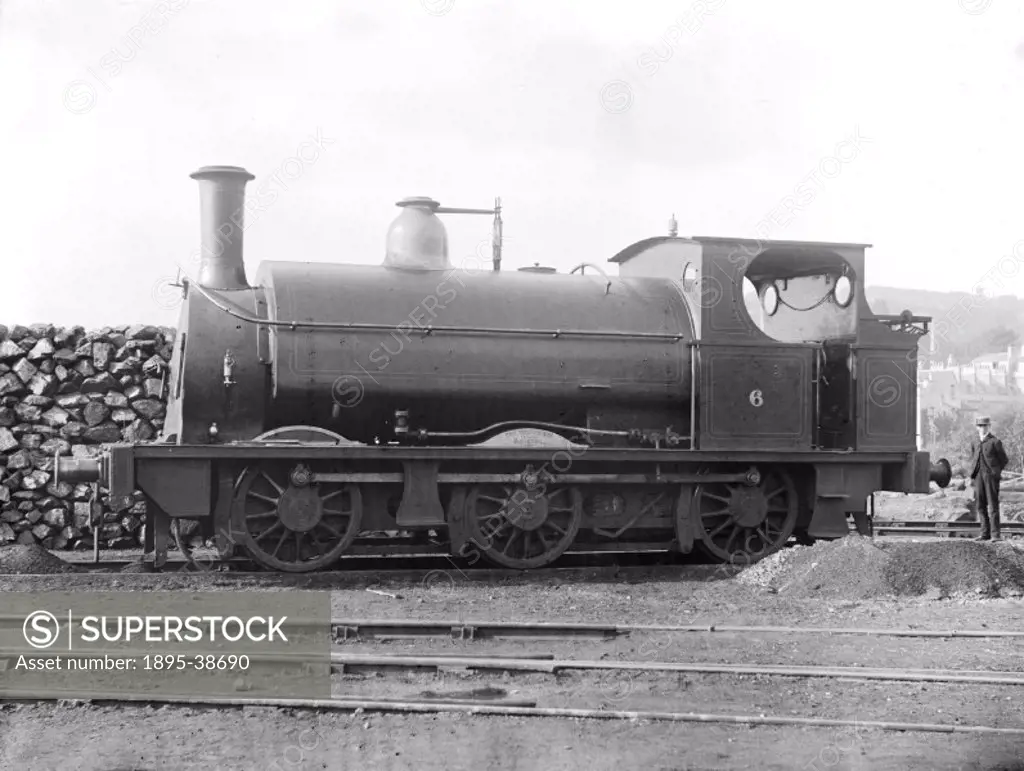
(326, 402)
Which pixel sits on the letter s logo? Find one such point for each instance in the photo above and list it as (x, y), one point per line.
(41, 629)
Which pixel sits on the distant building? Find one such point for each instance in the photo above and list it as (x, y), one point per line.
(983, 385)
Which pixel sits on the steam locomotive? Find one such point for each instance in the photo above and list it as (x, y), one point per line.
(718, 393)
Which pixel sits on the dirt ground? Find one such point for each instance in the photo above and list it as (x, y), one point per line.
(123, 737)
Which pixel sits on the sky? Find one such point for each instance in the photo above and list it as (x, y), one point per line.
(894, 124)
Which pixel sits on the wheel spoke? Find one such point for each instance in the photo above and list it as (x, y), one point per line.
(280, 543)
(272, 529)
(555, 527)
(720, 528)
(273, 484)
(264, 515)
(508, 543)
(501, 526)
(716, 513)
(265, 498)
(317, 543)
(748, 542)
(329, 529)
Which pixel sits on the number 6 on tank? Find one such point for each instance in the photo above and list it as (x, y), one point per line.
(756, 398)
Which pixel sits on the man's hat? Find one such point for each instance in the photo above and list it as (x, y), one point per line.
(983, 421)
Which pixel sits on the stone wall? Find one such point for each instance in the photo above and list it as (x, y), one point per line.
(69, 392)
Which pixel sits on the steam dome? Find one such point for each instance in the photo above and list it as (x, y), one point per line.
(417, 239)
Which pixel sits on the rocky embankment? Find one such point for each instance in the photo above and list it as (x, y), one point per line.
(70, 392)
(955, 503)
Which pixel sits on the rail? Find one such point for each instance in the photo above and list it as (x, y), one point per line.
(955, 529)
(422, 706)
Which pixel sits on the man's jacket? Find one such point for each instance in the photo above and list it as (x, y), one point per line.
(989, 456)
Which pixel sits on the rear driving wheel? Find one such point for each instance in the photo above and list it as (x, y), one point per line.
(742, 523)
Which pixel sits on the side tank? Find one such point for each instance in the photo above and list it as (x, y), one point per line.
(461, 350)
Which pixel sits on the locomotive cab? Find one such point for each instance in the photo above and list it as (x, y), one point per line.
(810, 299)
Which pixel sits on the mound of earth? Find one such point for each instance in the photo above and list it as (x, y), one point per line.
(18, 559)
(856, 568)
(849, 568)
(955, 568)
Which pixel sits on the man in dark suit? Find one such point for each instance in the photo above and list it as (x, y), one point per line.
(988, 459)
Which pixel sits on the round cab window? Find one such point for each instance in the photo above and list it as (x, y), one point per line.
(843, 291)
(770, 299)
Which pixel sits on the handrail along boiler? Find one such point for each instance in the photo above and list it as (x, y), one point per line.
(717, 393)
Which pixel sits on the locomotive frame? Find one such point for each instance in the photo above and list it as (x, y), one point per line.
(788, 429)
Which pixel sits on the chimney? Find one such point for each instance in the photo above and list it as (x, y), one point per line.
(221, 225)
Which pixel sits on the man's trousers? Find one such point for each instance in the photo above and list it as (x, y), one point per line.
(986, 496)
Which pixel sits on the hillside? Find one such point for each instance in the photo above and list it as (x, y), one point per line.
(962, 326)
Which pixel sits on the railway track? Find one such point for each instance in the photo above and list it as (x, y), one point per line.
(409, 561)
(502, 709)
(351, 630)
(942, 529)
(587, 697)
(431, 567)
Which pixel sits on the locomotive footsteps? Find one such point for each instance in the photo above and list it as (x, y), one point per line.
(975, 7)
(79, 97)
(884, 391)
(616, 96)
(347, 391)
(437, 7)
(166, 293)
